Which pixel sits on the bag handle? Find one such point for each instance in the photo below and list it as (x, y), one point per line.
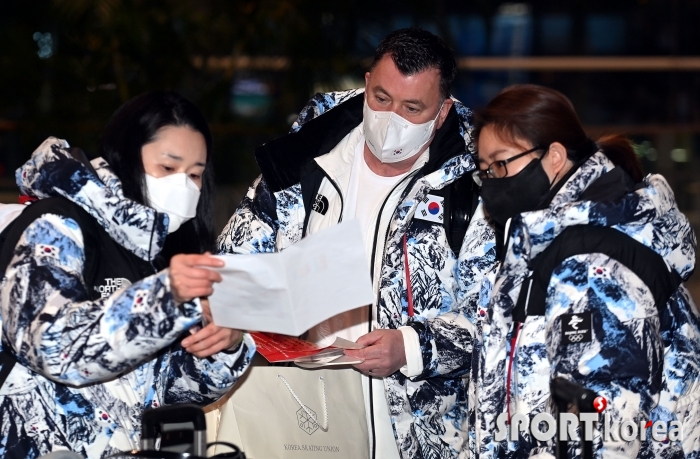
(303, 407)
(235, 454)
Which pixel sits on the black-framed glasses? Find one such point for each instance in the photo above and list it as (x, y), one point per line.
(497, 169)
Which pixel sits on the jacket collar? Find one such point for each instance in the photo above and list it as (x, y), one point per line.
(649, 214)
(52, 171)
(282, 161)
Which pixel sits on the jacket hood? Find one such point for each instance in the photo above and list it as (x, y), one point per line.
(328, 118)
(648, 214)
(52, 171)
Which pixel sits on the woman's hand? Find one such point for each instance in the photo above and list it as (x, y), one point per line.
(212, 338)
(189, 279)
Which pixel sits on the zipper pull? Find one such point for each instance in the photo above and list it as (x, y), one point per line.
(407, 271)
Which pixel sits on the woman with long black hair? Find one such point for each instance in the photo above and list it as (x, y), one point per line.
(103, 276)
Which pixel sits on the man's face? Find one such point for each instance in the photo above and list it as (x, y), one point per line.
(415, 98)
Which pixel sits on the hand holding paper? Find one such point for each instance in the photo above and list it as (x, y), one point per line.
(281, 348)
(383, 352)
(210, 338)
(191, 277)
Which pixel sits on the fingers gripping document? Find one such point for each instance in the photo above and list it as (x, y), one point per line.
(289, 292)
(280, 348)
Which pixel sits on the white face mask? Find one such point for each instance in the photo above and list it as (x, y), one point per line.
(176, 195)
(392, 138)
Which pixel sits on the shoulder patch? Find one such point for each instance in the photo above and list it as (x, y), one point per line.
(576, 328)
(45, 250)
(431, 209)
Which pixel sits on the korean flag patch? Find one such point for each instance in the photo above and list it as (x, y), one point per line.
(45, 250)
(430, 209)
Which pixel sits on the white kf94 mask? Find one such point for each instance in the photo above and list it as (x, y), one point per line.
(392, 138)
(176, 195)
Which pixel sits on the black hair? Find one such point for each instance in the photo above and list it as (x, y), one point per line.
(135, 124)
(415, 50)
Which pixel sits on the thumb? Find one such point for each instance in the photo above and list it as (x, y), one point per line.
(355, 353)
(369, 339)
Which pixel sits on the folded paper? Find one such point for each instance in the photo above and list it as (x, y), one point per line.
(323, 275)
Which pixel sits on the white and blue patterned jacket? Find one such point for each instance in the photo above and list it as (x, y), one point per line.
(644, 361)
(88, 368)
(429, 412)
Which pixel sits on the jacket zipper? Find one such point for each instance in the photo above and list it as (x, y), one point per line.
(506, 240)
(515, 329)
(369, 321)
(337, 189)
(513, 343)
(407, 272)
(376, 235)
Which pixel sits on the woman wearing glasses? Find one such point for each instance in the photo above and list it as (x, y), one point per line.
(589, 289)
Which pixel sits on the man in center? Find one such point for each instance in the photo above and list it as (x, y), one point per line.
(397, 157)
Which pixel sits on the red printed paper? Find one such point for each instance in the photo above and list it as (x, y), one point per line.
(282, 348)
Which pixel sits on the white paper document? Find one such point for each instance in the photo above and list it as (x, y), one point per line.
(289, 292)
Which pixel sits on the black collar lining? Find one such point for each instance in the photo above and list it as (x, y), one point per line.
(282, 160)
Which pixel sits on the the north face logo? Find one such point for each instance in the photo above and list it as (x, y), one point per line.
(320, 204)
(111, 285)
(307, 423)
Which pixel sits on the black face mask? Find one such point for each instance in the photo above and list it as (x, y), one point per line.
(507, 197)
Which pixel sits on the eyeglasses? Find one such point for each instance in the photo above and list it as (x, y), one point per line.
(497, 169)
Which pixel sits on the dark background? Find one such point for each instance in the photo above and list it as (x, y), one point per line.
(66, 65)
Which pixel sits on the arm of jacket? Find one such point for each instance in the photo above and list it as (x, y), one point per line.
(203, 381)
(447, 340)
(320, 103)
(253, 226)
(623, 361)
(56, 332)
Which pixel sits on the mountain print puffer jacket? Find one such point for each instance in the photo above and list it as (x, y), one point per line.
(642, 357)
(429, 411)
(90, 362)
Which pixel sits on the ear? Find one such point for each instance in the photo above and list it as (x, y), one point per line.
(446, 106)
(557, 158)
(367, 75)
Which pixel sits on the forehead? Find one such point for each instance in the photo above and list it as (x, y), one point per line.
(181, 142)
(421, 85)
(493, 142)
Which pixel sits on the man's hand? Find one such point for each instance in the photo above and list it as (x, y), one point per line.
(189, 279)
(383, 354)
(211, 339)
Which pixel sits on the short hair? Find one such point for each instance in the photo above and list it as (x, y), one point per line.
(137, 123)
(415, 50)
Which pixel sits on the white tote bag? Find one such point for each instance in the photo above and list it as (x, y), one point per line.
(288, 412)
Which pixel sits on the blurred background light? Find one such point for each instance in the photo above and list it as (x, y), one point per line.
(680, 155)
(250, 98)
(629, 67)
(45, 43)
